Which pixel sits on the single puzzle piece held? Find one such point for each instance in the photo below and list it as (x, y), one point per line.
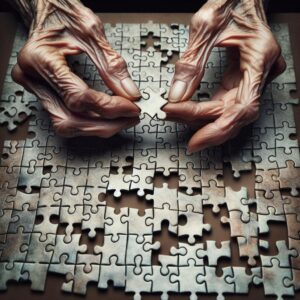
(152, 103)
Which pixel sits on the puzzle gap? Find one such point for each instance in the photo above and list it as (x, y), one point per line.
(63, 227)
(239, 260)
(38, 220)
(167, 240)
(22, 116)
(294, 94)
(293, 136)
(111, 293)
(247, 178)
(219, 232)
(19, 133)
(287, 191)
(34, 189)
(128, 169)
(54, 219)
(5, 156)
(149, 41)
(182, 220)
(172, 58)
(204, 96)
(156, 296)
(128, 199)
(47, 169)
(276, 232)
(98, 240)
(160, 179)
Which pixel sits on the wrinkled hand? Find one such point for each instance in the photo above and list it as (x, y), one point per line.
(254, 59)
(63, 28)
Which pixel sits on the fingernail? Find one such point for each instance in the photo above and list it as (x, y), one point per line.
(130, 87)
(195, 148)
(177, 91)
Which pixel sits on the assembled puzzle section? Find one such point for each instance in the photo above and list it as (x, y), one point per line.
(48, 183)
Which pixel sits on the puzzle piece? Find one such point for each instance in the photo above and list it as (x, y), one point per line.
(194, 225)
(275, 280)
(215, 283)
(187, 279)
(152, 103)
(241, 279)
(214, 253)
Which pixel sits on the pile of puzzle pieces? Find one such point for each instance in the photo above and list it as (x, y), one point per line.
(46, 181)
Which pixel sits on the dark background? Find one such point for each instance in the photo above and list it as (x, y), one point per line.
(278, 6)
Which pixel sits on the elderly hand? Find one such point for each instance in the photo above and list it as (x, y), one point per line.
(63, 28)
(255, 58)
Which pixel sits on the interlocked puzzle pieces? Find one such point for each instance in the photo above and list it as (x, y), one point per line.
(47, 183)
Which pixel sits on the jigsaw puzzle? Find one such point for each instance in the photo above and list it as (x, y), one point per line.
(47, 183)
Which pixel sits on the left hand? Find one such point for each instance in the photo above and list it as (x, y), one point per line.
(254, 60)
(60, 29)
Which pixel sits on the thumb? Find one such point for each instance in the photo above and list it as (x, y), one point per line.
(190, 68)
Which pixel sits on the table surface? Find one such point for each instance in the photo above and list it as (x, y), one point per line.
(7, 30)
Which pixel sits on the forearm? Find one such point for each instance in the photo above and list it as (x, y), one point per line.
(41, 13)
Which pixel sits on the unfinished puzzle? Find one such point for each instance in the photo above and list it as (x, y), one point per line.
(46, 181)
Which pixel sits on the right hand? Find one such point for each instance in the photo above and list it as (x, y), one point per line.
(57, 31)
(255, 59)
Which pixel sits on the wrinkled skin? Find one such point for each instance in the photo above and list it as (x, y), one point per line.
(254, 58)
(59, 28)
(65, 27)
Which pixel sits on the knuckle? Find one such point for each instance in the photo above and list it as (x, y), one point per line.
(270, 47)
(195, 112)
(92, 24)
(260, 62)
(282, 65)
(74, 99)
(205, 17)
(252, 111)
(17, 74)
(26, 56)
(103, 101)
(118, 66)
(34, 55)
(61, 126)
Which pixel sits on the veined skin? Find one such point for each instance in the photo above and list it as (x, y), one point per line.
(254, 58)
(59, 28)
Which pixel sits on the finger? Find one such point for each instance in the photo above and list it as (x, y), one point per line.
(206, 25)
(113, 70)
(249, 91)
(189, 70)
(241, 108)
(228, 97)
(219, 131)
(65, 122)
(111, 66)
(109, 107)
(192, 110)
(234, 117)
(101, 128)
(51, 65)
